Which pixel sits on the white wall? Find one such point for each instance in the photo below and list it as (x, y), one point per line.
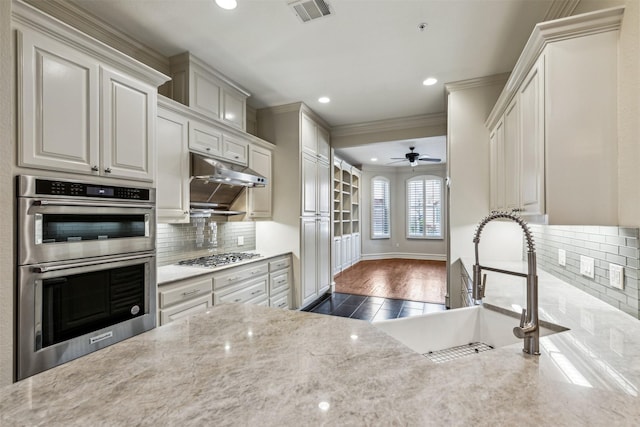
(7, 275)
(398, 246)
(468, 168)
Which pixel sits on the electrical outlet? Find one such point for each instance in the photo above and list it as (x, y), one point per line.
(616, 276)
(562, 257)
(240, 240)
(586, 266)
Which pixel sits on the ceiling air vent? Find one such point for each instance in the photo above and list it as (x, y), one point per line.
(308, 10)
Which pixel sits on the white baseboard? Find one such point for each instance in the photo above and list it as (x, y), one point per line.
(392, 255)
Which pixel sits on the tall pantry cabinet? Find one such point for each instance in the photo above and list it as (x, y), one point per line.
(302, 204)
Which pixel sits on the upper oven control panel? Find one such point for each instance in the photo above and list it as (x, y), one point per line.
(46, 187)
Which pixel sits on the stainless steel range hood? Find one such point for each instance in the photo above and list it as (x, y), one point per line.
(216, 185)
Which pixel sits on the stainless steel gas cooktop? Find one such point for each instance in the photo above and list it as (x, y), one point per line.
(217, 260)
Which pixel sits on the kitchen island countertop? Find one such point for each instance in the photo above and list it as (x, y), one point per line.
(252, 365)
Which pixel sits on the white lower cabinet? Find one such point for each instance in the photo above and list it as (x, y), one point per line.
(337, 255)
(184, 298)
(316, 264)
(279, 282)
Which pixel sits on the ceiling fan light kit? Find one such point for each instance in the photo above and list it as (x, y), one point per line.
(414, 158)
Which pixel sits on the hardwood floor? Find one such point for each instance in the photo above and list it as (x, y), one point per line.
(408, 279)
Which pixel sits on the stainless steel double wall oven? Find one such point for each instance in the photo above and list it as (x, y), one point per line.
(86, 268)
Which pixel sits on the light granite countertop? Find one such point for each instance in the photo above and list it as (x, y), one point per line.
(174, 272)
(252, 365)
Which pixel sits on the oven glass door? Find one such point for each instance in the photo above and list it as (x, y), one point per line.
(78, 304)
(62, 230)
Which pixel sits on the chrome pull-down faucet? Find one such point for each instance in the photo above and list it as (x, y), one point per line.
(528, 329)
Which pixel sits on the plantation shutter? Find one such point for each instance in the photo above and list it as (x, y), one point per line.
(424, 207)
(380, 228)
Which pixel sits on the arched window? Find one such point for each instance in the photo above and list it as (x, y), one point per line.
(380, 226)
(424, 207)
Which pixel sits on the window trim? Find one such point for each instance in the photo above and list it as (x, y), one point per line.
(423, 179)
(387, 183)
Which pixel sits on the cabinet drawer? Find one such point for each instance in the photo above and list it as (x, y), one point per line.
(235, 150)
(183, 291)
(196, 305)
(279, 264)
(239, 274)
(280, 301)
(243, 292)
(278, 282)
(205, 139)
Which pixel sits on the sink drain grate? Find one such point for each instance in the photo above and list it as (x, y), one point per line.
(453, 353)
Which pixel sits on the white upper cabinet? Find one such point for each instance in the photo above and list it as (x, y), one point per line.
(314, 138)
(172, 181)
(83, 107)
(316, 174)
(205, 90)
(553, 132)
(128, 134)
(205, 139)
(259, 198)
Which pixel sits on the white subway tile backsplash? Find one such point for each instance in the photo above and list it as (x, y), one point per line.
(618, 245)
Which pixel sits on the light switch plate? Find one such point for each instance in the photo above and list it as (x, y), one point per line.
(240, 240)
(616, 276)
(586, 266)
(562, 257)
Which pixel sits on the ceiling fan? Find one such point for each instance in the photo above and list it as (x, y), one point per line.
(413, 158)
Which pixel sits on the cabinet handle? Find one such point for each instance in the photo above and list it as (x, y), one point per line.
(231, 279)
(256, 292)
(282, 304)
(208, 148)
(186, 212)
(280, 282)
(237, 300)
(95, 168)
(236, 157)
(107, 170)
(195, 291)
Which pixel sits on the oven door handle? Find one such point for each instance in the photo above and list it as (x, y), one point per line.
(46, 269)
(90, 204)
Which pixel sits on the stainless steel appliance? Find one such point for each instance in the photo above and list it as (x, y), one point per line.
(216, 185)
(218, 260)
(86, 268)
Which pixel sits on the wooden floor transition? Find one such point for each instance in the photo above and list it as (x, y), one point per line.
(408, 279)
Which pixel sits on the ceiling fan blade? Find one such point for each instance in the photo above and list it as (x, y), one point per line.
(397, 161)
(429, 159)
(398, 158)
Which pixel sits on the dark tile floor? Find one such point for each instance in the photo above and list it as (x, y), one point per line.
(371, 308)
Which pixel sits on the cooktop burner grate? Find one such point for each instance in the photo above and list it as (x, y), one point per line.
(218, 259)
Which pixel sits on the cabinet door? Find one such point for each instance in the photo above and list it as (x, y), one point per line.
(172, 181)
(355, 248)
(309, 185)
(309, 135)
(324, 254)
(128, 133)
(235, 149)
(233, 109)
(532, 125)
(204, 93)
(512, 156)
(205, 139)
(323, 146)
(497, 166)
(346, 251)
(324, 188)
(260, 197)
(59, 108)
(337, 255)
(309, 260)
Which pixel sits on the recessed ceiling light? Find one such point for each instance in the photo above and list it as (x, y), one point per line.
(227, 4)
(324, 100)
(430, 81)
(374, 159)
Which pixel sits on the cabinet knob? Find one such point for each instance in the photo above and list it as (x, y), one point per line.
(95, 168)
(107, 170)
(208, 148)
(186, 212)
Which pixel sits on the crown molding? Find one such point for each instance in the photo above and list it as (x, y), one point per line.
(545, 33)
(93, 26)
(389, 125)
(560, 9)
(477, 82)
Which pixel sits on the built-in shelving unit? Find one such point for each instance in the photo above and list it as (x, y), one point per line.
(346, 215)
